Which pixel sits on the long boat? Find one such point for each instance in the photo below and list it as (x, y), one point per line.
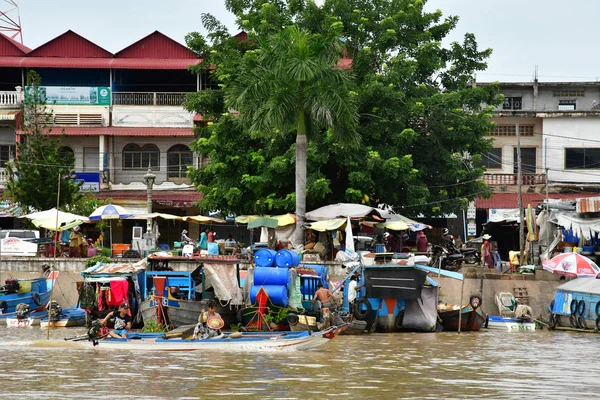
(510, 324)
(33, 292)
(472, 319)
(69, 317)
(247, 341)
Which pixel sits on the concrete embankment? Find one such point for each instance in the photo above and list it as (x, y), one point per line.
(538, 288)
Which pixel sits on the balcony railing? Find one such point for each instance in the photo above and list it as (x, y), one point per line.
(10, 99)
(148, 99)
(513, 179)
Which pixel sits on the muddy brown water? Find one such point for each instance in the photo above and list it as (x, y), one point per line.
(541, 365)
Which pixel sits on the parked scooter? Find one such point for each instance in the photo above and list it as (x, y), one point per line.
(441, 256)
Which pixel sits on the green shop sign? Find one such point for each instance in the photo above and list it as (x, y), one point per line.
(71, 96)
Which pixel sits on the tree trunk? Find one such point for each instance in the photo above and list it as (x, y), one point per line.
(301, 150)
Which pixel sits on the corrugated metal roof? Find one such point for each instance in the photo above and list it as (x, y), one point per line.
(115, 268)
(591, 204)
(156, 45)
(10, 47)
(190, 196)
(510, 200)
(113, 131)
(70, 45)
(581, 285)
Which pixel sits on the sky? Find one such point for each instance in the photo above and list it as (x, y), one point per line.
(559, 38)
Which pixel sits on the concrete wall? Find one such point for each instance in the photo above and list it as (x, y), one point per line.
(547, 101)
(570, 132)
(509, 143)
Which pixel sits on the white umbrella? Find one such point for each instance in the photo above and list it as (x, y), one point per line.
(53, 214)
(349, 238)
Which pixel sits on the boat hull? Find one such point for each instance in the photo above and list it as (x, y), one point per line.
(14, 322)
(471, 320)
(188, 312)
(509, 324)
(70, 317)
(5, 317)
(249, 342)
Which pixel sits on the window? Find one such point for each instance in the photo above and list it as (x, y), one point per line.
(569, 93)
(136, 157)
(67, 154)
(582, 158)
(512, 103)
(567, 105)
(511, 130)
(178, 159)
(7, 153)
(493, 159)
(528, 160)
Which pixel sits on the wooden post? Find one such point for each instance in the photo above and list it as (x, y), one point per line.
(520, 197)
(49, 306)
(462, 288)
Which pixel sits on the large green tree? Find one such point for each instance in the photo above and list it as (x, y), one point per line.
(33, 177)
(422, 124)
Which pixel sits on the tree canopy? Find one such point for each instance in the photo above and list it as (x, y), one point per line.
(422, 125)
(33, 178)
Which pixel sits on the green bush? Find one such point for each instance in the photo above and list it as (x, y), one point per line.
(94, 260)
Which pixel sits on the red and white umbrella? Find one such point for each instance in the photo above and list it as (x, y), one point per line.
(573, 265)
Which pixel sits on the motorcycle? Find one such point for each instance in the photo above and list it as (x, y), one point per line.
(471, 255)
(442, 257)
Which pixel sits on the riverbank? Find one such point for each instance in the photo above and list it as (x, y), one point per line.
(538, 288)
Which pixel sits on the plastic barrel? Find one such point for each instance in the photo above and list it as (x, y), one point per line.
(287, 259)
(379, 248)
(277, 294)
(264, 276)
(264, 258)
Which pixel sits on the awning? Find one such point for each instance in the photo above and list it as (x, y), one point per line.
(344, 210)
(510, 200)
(99, 63)
(328, 225)
(167, 198)
(8, 115)
(113, 131)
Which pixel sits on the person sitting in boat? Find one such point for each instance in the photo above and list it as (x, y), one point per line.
(122, 321)
(209, 323)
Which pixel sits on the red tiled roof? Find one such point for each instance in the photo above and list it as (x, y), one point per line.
(153, 63)
(156, 45)
(509, 200)
(112, 131)
(70, 45)
(157, 195)
(10, 47)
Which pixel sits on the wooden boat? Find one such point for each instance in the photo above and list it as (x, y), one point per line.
(4, 318)
(510, 324)
(33, 292)
(14, 322)
(69, 317)
(185, 312)
(472, 319)
(247, 341)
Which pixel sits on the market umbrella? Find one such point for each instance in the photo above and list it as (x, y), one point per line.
(52, 215)
(201, 219)
(573, 265)
(50, 224)
(327, 225)
(393, 225)
(263, 222)
(110, 211)
(344, 210)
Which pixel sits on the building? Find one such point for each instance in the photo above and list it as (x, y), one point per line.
(120, 113)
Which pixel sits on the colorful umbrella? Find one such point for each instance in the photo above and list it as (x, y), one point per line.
(110, 211)
(572, 264)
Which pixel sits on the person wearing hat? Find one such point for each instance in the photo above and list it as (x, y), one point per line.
(122, 321)
(185, 237)
(209, 323)
(76, 242)
(486, 251)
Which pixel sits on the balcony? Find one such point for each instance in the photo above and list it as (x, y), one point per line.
(513, 179)
(148, 99)
(10, 99)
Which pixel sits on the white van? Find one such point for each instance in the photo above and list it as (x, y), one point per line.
(18, 242)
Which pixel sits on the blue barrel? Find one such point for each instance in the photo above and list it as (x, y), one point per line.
(287, 259)
(277, 294)
(264, 258)
(264, 276)
(379, 248)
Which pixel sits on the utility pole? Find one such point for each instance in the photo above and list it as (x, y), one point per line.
(520, 197)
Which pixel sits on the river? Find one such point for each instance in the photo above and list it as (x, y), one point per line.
(541, 365)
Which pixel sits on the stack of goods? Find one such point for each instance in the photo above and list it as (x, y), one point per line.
(272, 274)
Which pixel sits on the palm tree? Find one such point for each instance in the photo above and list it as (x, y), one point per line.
(292, 81)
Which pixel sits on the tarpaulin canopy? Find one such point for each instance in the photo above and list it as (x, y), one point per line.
(327, 225)
(582, 227)
(282, 220)
(53, 214)
(156, 215)
(263, 222)
(393, 225)
(201, 219)
(344, 210)
(50, 223)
